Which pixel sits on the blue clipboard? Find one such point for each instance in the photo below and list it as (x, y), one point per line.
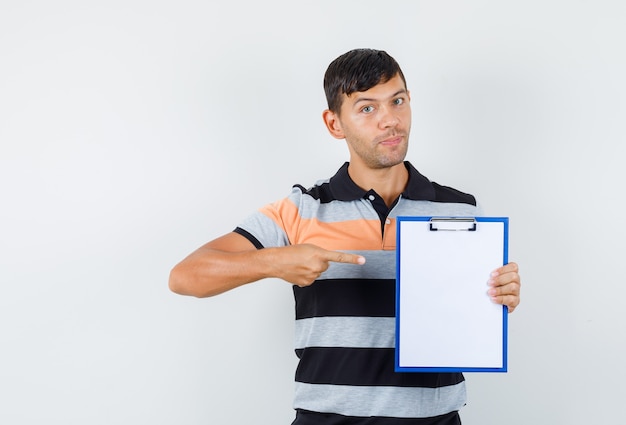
(445, 321)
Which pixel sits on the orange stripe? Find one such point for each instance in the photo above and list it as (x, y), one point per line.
(349, 235)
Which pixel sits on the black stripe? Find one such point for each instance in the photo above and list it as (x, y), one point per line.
(250, 237)
(346, 297)
(304, 417)
(449, 194)
(363, 366)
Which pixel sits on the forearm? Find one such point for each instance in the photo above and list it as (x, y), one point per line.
(208, 272)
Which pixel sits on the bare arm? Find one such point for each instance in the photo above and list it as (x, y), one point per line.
(231, 261)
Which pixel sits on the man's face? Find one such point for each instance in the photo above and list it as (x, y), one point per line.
(376, 124)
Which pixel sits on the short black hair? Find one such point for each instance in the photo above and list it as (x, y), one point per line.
(358, 70)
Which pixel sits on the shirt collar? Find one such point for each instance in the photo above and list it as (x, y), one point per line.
(419, 188)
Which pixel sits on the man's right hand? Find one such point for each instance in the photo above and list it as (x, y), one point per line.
(302, 264)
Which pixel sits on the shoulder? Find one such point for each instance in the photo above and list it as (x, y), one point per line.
(450, 194)
(421, 188)
(319, 193)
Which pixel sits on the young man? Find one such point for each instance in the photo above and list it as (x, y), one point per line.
(335, 242)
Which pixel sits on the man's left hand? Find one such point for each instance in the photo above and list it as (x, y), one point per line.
(505, 286)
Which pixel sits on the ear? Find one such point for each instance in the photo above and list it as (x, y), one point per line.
(333, 124)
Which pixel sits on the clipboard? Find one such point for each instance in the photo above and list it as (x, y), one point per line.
(445, 321)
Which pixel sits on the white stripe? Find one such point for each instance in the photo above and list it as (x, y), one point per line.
(398, 402)
(378, 265)
(346, 332)
(407, 207)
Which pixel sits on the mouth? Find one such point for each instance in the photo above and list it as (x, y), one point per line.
(392, 141)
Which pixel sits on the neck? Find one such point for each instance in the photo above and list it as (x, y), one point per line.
(389, 182)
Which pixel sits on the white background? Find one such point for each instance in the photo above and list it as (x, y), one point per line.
(134, 131)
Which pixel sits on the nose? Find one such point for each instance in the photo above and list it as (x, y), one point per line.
(388, 118)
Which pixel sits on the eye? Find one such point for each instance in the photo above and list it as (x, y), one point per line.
(367, 109)
(398, 101)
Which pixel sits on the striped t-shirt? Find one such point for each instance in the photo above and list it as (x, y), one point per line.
(345, 321)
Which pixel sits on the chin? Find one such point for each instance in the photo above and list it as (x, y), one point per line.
(387, 164)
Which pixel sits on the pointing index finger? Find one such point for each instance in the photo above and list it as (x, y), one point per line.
(344, 257)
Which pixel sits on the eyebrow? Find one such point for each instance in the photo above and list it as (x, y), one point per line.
(371, 99)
